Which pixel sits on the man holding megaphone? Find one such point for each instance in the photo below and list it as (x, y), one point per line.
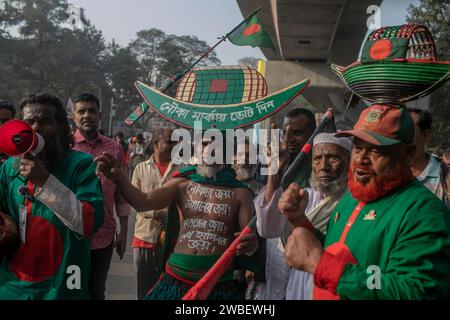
(55, 198)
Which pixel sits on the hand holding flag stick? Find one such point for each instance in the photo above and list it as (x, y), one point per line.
(202, 289)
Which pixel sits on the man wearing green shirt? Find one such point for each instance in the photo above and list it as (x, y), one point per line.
(61, 208)
(389, 237)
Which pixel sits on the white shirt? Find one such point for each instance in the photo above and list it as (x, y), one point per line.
(431, 178)
(277, 270)
(271, 224)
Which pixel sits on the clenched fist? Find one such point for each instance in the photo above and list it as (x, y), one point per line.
(33, 169)
(303, 250)
(293, 203)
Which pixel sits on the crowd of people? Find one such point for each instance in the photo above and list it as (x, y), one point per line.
(376, 198)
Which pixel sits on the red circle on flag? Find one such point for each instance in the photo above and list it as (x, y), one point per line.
(41, 255)
(381, 49)
(254, 28)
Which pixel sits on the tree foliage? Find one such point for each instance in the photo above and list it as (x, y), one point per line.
(434, 14)
(41, 51)
(41, 54)
(250, 62)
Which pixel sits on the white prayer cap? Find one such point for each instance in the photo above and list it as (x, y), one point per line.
(324, 137)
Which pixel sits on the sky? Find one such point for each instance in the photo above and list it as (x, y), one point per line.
(206, 19)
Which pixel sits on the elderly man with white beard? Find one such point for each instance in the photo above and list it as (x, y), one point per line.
(212, 207)
(330, 159)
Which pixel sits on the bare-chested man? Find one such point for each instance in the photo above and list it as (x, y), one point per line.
(212, 207)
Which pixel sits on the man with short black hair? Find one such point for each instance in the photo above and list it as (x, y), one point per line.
(62, 209)
(298, 126)
(87, 139)
(147, 247)
(120, 138)
(426, 167)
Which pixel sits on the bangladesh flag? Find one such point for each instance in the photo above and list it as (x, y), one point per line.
(136, 114)
(250, 33)
(384, 50)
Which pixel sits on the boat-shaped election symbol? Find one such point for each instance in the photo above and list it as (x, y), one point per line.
(226, 116)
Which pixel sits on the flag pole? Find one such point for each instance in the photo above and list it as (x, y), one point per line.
(177, 77)
(172, 80)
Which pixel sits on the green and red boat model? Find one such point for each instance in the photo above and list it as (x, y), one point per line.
(398, 63)
(223, 98)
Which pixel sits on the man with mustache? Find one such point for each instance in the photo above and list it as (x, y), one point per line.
(245, 172)
(298, 126)
(426, 166)
(147, 247)
(7, 112)
(389, 237)
(330, 160)
(86, 115)
(212, 206)
(56, 199)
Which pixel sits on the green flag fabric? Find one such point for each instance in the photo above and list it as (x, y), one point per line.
(250, 33)
(384, 50)
(136, 114)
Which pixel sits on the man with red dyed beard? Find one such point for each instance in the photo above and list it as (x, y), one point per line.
(389, 237)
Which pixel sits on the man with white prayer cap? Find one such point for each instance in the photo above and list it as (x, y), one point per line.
(328, 184)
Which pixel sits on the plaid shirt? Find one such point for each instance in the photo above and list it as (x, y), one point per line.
(111, 196)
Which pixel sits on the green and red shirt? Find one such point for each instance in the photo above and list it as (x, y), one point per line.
(53, 262)
(402, 238)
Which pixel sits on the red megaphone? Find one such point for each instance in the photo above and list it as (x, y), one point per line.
(17, 137)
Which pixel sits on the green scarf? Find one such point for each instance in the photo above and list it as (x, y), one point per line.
(224, 178)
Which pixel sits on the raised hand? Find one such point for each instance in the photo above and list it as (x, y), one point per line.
(283, 154)
(303, 250)
(107, 165)
(284, 157)
(293, 203)
(33, 169)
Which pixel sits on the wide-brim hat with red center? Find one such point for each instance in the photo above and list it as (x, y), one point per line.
(227, 97)
(383, 125)
(398, 63)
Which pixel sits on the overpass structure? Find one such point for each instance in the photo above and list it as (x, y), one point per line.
(309, 35)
